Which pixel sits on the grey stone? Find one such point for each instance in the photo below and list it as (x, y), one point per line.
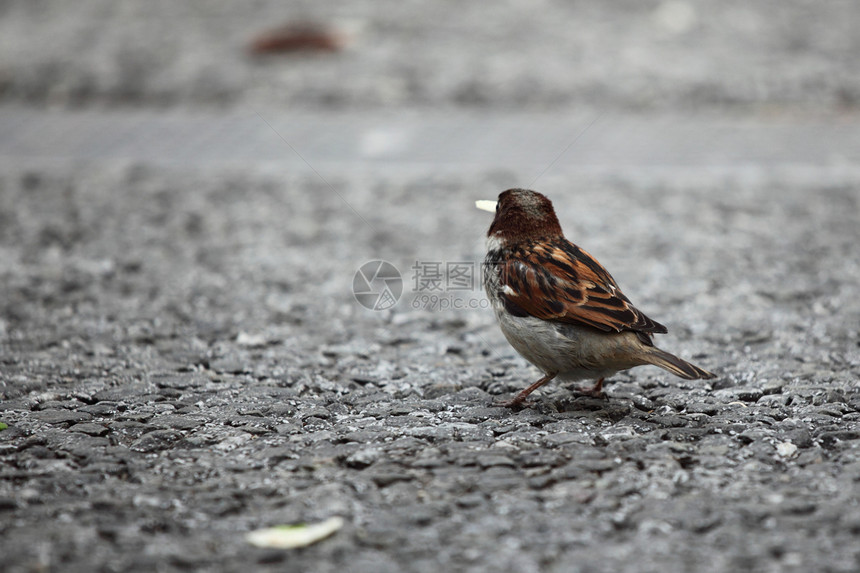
(832, 438)
(702, 408)
(90, 428)
(363, 458)
(316, 412)
(61, 416)
(471, 500)
(494, 460)
(176, 422)
(738, 394)
(155, 441)
(103, 409)
(567, 438)
(8, 504)
(120, 394)
(383, 477)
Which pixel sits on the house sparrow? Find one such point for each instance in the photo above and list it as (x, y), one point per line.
(557, 306)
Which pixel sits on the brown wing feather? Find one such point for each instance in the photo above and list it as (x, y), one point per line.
(560, 282)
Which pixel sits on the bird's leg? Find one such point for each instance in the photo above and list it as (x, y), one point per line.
(521, 397)
(595, 391)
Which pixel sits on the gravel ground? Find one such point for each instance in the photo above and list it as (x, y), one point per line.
(182, 359)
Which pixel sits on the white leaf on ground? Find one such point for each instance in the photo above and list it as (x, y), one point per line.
(294, 536)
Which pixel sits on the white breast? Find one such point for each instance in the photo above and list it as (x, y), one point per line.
(572, 352)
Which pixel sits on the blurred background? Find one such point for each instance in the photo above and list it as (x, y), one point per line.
(652, 55)
(324, 86)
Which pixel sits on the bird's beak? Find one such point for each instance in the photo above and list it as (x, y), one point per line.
(485, 205)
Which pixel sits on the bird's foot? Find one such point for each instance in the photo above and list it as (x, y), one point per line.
(519, 401)
(595, 391)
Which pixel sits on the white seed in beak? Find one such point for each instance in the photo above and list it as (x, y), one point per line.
(485, 205)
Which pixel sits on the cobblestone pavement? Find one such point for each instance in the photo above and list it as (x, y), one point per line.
(182, 359)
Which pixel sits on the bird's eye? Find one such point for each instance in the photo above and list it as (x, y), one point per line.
(497, 206)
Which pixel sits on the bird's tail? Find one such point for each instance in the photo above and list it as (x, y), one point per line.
(676, 366)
